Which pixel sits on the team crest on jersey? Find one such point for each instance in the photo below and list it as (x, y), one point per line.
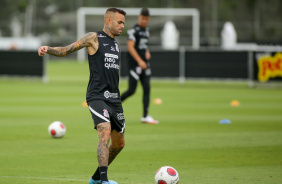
(117, 47)
(147, 33)
(106, 113)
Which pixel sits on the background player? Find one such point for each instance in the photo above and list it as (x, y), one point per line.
(138, 65)
(103, 95)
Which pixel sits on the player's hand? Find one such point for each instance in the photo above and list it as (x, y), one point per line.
(143, 65)
(42, 50)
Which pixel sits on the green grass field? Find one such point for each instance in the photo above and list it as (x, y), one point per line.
(188, 138)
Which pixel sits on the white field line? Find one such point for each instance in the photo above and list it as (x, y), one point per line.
(41, 178)
(55, 179)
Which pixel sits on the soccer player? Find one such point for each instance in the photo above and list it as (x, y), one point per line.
(138, 64)
(103, 96)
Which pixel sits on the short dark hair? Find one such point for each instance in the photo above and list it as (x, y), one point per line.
(116, 10)
(145, 12)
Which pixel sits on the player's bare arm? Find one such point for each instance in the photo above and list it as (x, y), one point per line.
(147, 54)
(89, 40)
(135, 55)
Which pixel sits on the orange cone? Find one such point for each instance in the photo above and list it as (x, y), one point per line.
(235, 103)
(157, 101)
(84, 104)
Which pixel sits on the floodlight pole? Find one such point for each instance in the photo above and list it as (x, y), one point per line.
(81, 12)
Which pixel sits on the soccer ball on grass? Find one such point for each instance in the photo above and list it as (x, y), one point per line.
(57, 129)
(166, 175)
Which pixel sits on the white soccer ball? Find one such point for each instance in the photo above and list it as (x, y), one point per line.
(166, 175)
(57, 129)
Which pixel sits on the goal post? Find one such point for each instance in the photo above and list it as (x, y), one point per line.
(83, 11)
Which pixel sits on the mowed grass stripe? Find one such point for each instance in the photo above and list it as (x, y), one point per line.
(189, 136)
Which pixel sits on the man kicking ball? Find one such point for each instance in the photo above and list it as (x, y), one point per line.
(103, 96)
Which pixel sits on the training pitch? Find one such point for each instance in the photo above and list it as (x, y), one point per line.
(188, 138)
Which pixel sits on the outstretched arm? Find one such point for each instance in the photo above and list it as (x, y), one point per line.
(89, 40)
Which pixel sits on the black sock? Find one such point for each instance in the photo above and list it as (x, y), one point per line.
(103, 173)
(96, 175)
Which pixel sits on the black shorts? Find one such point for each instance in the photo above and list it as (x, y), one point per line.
(103, 111)
(137, 73)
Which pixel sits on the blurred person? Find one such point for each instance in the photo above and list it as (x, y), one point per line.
(103, 96)
(138, 63)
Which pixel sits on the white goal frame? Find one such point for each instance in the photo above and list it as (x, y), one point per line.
(83, 11)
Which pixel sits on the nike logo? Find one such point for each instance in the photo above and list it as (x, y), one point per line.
(105, 44)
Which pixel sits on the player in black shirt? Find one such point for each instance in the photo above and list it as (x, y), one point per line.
(138, 64)
(103, 96)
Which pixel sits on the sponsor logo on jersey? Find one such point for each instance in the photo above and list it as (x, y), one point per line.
(110, 61)
(100, 35)
(106, 113)
(143, 43)
(144, 33)
(105, 44)
(120, 116)
(111, 55)
(107, 94)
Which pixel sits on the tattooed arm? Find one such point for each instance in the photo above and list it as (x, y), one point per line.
(89, 40)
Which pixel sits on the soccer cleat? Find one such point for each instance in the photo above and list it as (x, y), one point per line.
(149, 120)
(91, 181)
(109, 182)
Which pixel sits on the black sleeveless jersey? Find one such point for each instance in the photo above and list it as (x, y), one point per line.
(104, 71)
(141, 37)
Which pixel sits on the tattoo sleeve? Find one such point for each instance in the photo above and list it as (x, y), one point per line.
(104, 132)
(113, 152)
(79, 44)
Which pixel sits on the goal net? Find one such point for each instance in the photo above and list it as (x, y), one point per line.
(187, 20)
